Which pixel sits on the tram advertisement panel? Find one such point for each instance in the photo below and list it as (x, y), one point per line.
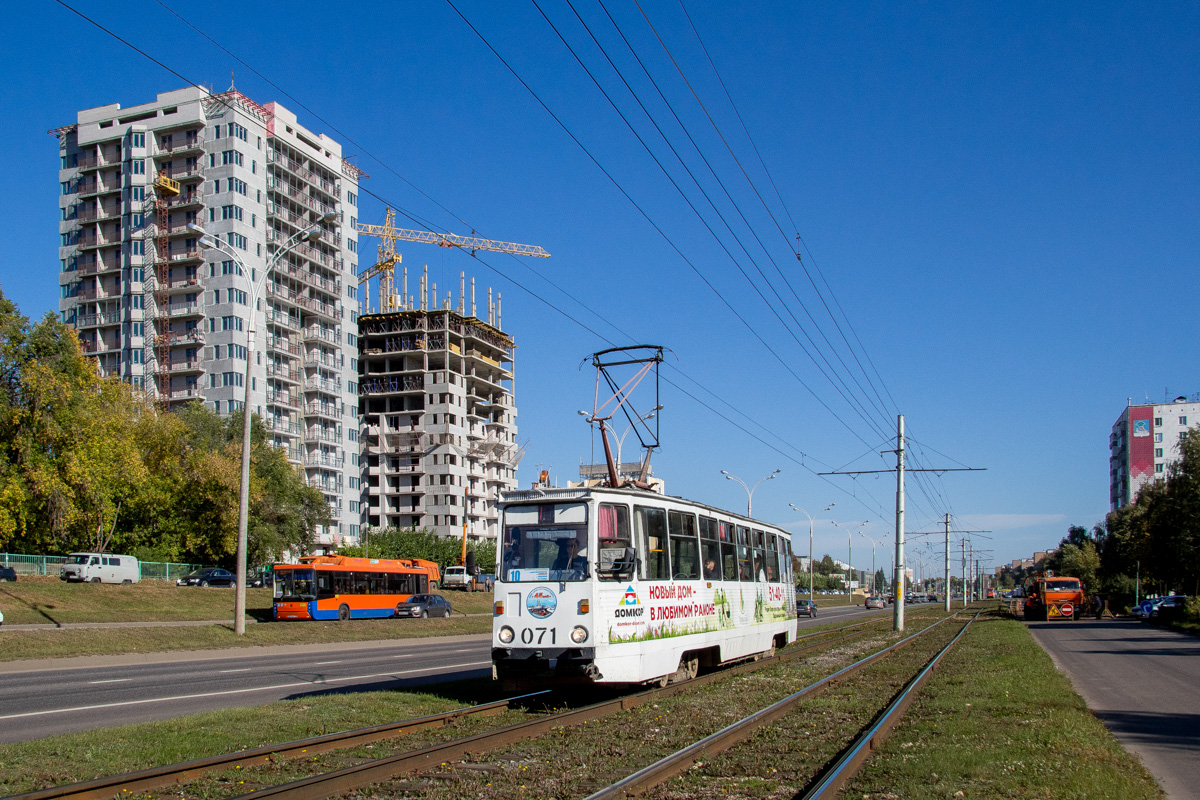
(661, 610)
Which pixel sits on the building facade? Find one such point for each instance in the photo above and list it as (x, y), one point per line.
(158, 308)
(1144, 443)
(439, 420)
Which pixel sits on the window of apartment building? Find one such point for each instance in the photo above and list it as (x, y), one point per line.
(352, 387)
(1159, 467)
(236, 240)
(216, 186)
(1158, 452)
(137, 140)
(238, 131)
(137, 329)
(231, 212)
(137, 193)
(1158, 437)
(1158, 422)
(236, 296)
(230, 268)
(138, 166)
(352, 292)
(237, 351)
(231, 157)
(137, 247)
(352, 339)
(231, 379)
(352, 198)
(234, 185)
(1183, 420)
(352, 245)
(212, 159)
(231, 323)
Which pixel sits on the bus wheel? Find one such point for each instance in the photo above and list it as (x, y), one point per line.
(343, 612)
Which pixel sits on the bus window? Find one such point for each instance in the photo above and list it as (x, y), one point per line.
(685, 552)
(710, 549)
(745, 559)
(612, 532)
(729, 565)
(651, 524)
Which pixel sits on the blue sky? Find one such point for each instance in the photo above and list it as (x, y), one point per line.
(998, 202)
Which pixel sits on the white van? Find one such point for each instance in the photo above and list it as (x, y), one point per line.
(100, 568)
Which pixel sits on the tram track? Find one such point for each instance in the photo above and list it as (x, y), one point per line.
(173, 776)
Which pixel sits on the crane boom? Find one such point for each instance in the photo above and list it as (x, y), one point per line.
(454, 240)
(388, 257)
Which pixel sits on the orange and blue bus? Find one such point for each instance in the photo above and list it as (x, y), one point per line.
(341, 587)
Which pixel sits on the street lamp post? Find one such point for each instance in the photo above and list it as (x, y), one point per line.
(749, 489)
(310, 234)
(872, 541)
(810, 540)
(850, 554)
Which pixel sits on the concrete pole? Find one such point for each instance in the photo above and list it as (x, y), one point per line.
(898, 577)
(946, 599)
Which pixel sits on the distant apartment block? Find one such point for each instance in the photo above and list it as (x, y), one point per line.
(439, 420)
(159, 310)
(1144, 443)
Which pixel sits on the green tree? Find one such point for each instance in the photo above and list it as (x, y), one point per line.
(423, 543)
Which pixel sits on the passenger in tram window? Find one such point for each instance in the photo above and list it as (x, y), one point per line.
(710, 568)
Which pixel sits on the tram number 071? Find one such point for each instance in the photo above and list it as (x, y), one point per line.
(536, 635)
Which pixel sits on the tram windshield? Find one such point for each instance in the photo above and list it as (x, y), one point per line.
(545, 542)
(294, 586)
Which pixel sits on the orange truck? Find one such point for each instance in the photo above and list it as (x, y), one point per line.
(1050, 596)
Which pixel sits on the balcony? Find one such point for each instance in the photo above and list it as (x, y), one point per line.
(195, 336)
(178, 310)
(297, 195)
(96, 319)
(176, 256)
(322, 435)
(283, 345)
(283, 399)
(323, 460)
(317, 333)
(286, 320)
(185, 200)
(284, 426)
(173, 147)
(190, 393)
(327, 410)
(189, 365)
(283, 372)
(320, 360)
(322, 385)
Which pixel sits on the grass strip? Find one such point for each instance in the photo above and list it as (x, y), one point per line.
(997, 720)
(57, 760)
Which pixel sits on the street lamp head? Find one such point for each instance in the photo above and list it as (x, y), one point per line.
(328, 216)
(194, 228)
(725, 473)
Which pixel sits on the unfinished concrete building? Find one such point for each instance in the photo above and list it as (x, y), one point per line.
(438, 438)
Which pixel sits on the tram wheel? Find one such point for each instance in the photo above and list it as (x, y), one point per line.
(690, 668)
(343, 612)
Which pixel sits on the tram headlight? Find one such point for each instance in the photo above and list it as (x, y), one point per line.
(507, 635)
(579, 634)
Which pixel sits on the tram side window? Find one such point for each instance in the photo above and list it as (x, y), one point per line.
(651, 526)
(729, 562)
(685, 551)
(785, 560)
(760, 563)
(710, 549)
(612, 531)
(745, 559)
(772, 557)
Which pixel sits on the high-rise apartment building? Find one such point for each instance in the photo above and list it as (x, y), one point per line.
(157, 308)
(439, 422)
(1144, 443)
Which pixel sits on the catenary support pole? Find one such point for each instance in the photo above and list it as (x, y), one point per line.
(898, 577)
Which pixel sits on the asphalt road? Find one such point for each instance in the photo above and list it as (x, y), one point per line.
(1143, 682)
(68, 695)
(81, 694)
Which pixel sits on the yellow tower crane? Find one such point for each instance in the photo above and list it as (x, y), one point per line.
(389, 258)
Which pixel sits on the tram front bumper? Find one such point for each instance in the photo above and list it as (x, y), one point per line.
(556, 662)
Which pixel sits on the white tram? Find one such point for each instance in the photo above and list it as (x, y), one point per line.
(600, 585)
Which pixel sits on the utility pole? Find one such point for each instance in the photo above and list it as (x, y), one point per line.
(898, 569)
(946, 599)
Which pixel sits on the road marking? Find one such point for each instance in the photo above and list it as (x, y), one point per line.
(244, 669)
(322, 663)
(240, 691)
(113, 680)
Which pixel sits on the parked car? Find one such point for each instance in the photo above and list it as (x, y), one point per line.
(806, 608)
(260, 578)
(8, 574)
(424, 605)
(1169, 607)
(875, 602)
(1142, 609)
(209, 576)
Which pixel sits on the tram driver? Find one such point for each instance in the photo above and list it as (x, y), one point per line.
(571, 563)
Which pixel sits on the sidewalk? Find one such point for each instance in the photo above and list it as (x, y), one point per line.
(66, 626)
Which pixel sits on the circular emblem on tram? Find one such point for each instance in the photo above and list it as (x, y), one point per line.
(541, 602)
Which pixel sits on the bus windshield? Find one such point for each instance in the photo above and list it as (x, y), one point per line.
(545, 543)
(294, 586)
